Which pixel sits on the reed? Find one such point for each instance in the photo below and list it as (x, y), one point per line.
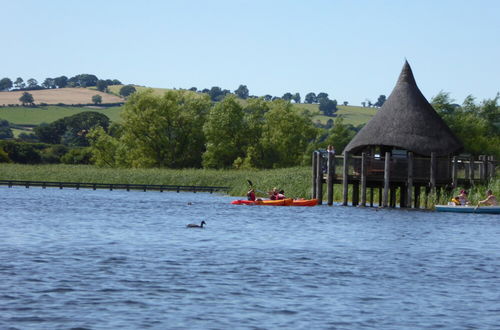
(295, 181)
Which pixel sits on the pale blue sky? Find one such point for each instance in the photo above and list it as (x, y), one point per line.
(352, 50)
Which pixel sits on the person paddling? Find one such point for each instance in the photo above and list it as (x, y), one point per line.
(490, 200)
(251, 194)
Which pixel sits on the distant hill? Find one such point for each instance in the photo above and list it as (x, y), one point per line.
(59, 95)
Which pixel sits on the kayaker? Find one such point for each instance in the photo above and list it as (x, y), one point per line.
(490, 200)
(251, 194)
(273, 194)
(281, 194)
(462, 198)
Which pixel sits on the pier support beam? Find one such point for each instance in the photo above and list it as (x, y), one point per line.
(345, 179)
(433, 173)
(355, 194)
(409, 183)
(387, 176)
(331, 175)
(319, 178)
(471, 170)
(314, 174)
(454, 172)
(363, 178)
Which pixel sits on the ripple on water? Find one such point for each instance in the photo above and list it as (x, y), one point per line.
(98, 259)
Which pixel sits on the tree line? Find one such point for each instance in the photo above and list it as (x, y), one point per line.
(80, 80)
(187, 130)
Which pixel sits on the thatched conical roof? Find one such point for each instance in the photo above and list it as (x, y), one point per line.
(407, 121)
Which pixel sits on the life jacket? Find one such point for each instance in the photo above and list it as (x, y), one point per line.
(251, 196)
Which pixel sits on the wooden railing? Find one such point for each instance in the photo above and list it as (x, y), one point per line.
(113, 186)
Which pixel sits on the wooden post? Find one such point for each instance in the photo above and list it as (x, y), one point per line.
(314, 169)
(402, 196)
(481, 168)
(355, 194)
(331, 175)
(371, 196)
(433, 173)
(392, 197)
(492, 170)
(345, 178)
(387, 176)
(363, 179)
(454, 172)
(380, 197)
(319, 178)
(409, 186)
(417, 196)
(471, 170)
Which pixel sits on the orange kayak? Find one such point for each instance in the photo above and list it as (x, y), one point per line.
(305, 202)
(281, 202)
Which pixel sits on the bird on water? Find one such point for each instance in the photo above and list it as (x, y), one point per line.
(193, 225)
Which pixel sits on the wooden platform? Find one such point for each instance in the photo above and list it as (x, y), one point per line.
(113, 186)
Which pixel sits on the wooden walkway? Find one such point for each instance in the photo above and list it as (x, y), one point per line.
(390, 174)
(113, 186)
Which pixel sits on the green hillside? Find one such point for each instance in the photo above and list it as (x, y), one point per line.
(47, 114)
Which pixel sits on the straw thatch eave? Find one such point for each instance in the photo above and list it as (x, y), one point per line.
(407, 121)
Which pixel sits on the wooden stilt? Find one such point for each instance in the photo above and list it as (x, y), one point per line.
(417, 196)
(345, 179)
(380, 196)
(402, 196)
(471, 170)
(409, 184)
(314, 170)
(392, 197)
(355, 194)
(371, 196)
(319, 178)
(331, 175)
(433, 173)
(387, 175)
(363, 178)
(454, 173)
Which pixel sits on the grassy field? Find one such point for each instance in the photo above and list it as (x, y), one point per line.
(48, 114)
(60, 95)
(34, 116)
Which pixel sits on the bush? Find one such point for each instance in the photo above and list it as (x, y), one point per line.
(4, 157)
(53, 154)
(77, 156)
(23, 153)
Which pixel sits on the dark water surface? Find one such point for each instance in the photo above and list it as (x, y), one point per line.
(124, 260)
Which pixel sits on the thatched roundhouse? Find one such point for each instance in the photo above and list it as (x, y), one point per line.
(408, 122)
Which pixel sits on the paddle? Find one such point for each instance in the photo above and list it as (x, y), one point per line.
(251, 186)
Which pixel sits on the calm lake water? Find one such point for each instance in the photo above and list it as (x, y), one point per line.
(125, 260)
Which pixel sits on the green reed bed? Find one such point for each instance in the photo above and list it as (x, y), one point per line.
(295, 181)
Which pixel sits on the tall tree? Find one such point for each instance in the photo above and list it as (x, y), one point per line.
(97, 99)
(327, 106)
(242, 92)
(380, 101)
(296, 97)
(127, 90)
(225, 133)
(32, 83)
(49, 83)
(157, 131)
(61, 81)
(102, 85)
(19, 83)
(285, 136)
(311, 98)
(287, 96)
(27, 99)
(5, 84)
